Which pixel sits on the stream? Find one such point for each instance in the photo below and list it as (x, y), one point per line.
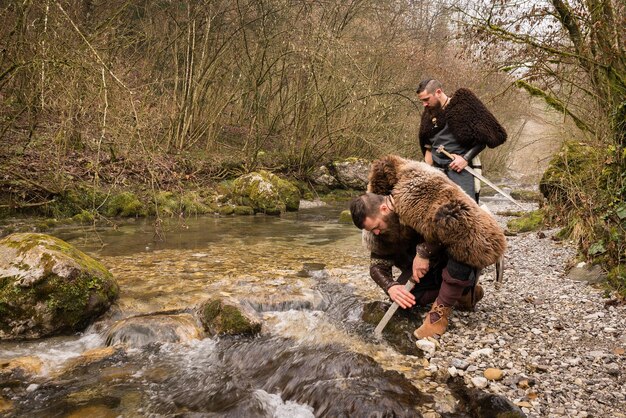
(304, 273)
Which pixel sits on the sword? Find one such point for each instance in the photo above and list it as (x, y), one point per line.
(474, 173)
(378, 331)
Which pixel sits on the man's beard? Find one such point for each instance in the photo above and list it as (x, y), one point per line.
(393, 223)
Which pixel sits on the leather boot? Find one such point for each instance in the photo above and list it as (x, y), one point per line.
(469, 300)
(436, 321)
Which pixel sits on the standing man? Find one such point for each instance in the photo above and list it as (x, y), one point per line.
(463, 125)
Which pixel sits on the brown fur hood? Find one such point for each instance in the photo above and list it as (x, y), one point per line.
(439, 210)
(469, 120)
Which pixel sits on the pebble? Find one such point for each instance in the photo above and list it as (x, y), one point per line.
(480, 382)
(493, 374)
(428, 347)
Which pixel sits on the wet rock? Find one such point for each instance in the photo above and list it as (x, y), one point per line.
(139, 331)
(17, 370)
(48, 287)
(92, 356)
(226, 316)
(5, 405)
(266, 193)
(399, 331)
(480, 404)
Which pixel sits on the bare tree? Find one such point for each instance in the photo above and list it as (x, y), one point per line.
(569, 52)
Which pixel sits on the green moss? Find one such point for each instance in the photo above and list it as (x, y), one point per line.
(211, 310)
(66, 300)
(531, 221)
(265, 192)
(527, 195)
(84, 217)
(345, 217)
(617, 279)
(193, 204)
(126, 205)
(166, 203)
(568, 174)
(234, 322)
(226, 210)
(243, 210)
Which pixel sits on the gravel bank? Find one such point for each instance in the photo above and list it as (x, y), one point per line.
(558, 343)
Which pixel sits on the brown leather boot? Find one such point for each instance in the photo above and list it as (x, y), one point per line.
(468, 301)
(436, 321)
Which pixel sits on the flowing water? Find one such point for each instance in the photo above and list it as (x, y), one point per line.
(304, 273)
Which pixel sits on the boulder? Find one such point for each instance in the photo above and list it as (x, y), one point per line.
(228, 317)
(323, 177)
(352, 173)
(48, 287)
(266, 193)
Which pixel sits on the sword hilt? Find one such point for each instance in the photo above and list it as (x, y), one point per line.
(442, 150)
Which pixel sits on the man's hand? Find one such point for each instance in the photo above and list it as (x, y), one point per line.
(458, 164)
(401, 296)
(420, 268)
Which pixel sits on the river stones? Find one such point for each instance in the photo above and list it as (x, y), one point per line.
(48, 287)
(139, 331)
(228, 317)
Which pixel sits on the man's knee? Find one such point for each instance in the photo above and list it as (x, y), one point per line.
(460, 271)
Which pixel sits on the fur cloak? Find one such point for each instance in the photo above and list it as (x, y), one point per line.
(469, 120)
(439, 210)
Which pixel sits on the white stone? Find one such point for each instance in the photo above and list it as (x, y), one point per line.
(480, 382)
(428, 347)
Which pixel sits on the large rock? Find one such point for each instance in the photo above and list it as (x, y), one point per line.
(266, 193)
(352, 173)
(323, 177)
(228, 317)
(48, 287)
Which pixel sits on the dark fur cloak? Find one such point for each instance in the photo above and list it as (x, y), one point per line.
(439, 210)
(469, 120)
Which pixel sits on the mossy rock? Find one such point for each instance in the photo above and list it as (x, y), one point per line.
(530, 221)
(48, 287)
(568, 168)
(226, 210)
(265, 192)
(84, 217)
(527, 195)
(243, 210)
(126, 205)
(345, 217)
(228, 317)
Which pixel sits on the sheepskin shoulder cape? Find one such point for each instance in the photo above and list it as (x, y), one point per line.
(439, 210)
(469, 120)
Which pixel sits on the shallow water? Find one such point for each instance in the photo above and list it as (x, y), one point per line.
(304, 273)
